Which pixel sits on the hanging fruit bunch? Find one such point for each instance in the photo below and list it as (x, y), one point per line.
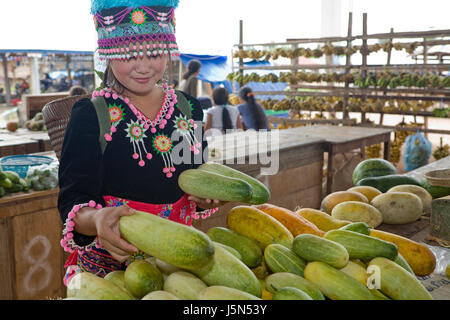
(373, 151)
(442, 151)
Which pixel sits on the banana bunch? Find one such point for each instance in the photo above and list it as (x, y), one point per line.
(373, 151)
(442, 151)
(234, 99)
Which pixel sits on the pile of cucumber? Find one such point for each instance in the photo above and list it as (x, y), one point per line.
(11, 182)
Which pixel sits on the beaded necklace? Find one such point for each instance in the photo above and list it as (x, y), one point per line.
(137, 130)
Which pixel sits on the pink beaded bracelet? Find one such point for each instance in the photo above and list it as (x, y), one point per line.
(67, 241)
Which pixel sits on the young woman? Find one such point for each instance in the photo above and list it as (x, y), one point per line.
(222, 117)
(190, 81)
(253, 115)
(136, 170)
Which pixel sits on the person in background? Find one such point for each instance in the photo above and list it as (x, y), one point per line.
(189, 84)
(77, 91)
(253, 115)
(222, 117)
(174, 84)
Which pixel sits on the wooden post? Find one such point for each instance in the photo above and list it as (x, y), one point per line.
(348, 64)
(388, 64)
(425, 51)
(364, 60)
(69, 71)
(241, 47)
(7, 84)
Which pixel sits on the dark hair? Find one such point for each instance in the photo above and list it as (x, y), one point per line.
(246, 94)
(192, 68)
(77, 91)
(220, 97)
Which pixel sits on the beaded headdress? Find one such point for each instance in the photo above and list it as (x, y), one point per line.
(132, 28)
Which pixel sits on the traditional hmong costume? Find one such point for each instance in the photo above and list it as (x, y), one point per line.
(143, 157)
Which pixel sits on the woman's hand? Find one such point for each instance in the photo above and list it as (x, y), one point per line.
(107, 225)
(207, 203)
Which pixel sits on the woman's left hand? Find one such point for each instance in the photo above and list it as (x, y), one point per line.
(207, 203)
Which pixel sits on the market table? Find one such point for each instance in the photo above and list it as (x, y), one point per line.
(23, 141)
(340, 139)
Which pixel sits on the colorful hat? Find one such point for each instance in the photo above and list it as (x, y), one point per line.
(132, 28)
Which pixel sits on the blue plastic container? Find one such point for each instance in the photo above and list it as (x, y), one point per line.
(21, 163)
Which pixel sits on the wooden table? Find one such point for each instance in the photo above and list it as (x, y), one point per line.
(340, 139)
(23, 141)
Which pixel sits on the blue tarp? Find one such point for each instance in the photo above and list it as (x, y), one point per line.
(216, 68)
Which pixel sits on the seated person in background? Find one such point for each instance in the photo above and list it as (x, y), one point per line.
(78, 91)
(253, 115)
(223, 117)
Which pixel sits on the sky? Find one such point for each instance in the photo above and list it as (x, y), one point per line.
(212, 26)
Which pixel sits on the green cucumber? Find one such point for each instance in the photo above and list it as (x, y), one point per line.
(360, 246)
(281, 259)
(249, 249)
(209, 185)
(360, 227)
(261, 193)
(314, 248)
(385, 183)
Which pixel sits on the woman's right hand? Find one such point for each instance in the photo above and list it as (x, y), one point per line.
(107, 225)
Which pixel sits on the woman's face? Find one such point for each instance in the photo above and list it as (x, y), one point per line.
(140, 75)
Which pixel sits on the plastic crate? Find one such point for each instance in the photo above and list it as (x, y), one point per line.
(21, 163)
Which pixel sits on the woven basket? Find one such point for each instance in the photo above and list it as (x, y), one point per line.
(56, 116)
(440, 178)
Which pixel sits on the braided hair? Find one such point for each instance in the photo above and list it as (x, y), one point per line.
(220, 97)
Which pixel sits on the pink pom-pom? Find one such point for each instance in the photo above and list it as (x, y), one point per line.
(195, 126)
(164, 122)
(146, 126)
(69, 236)
(198, 144)
(69, 229)
(135, 156)
(99, 206)
(196, 151)
(168, 115)
(161, 126)
(107, 95)
(115, 96)
(171, 104)
(192, 148)
(173, 169)
(71, 215)
(149, 156)
(92, 203)
(127, 101)
(108, 137)
(113, 129)
(71, 224)
(153, 130)
(166, 170)
(141, 163)
(169, 175)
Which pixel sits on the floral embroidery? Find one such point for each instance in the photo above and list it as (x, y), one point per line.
(163, 145)
(116, 113)
(186, 128)
(166, 211)
(136, 133)
(138, 17)
(118, 202)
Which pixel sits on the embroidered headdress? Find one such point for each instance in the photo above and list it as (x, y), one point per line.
(132, 28)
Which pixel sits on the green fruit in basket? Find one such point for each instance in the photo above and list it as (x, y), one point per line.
(13, 176)
(2, 175)
(6, 183)
(26, 185)
(2, 192)
(16, 187)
